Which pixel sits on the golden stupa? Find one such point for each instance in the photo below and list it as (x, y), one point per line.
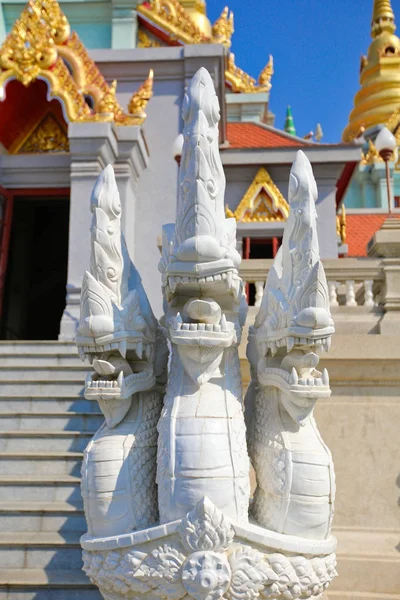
(379, 96)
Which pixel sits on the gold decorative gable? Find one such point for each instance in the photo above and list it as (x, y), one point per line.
(48, 136)
(40, 45)
(262, 202)
(177, 27)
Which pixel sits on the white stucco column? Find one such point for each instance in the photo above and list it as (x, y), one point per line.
(133, 157)
(92, 147)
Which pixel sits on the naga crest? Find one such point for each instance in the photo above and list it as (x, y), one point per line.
(117, 330)
(205, 310)
(294, 323)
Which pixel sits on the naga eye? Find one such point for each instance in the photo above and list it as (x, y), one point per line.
(300, 211)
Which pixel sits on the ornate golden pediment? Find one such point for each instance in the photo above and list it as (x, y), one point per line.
(262, 202)
(40, 45)
(48, 136)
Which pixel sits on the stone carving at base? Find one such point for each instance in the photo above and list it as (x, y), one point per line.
(200, 537)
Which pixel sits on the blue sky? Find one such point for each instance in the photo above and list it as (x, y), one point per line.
(316, 45)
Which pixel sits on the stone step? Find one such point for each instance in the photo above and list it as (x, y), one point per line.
(40, 550)
(51, 404)
(42, 360)
(46, 373)
(48, 421)
(41, 584)
(40, 488)
(44, 441)
(42, 516)
(41, 463)
(36, 348)
(45, 388)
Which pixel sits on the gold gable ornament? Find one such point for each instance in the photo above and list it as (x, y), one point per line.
(262, 202)
(41, 45)
(48, 136)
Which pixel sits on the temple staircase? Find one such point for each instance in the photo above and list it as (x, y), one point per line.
(45, 424)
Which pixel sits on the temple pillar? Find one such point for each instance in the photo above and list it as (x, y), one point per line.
(124, 24)
(92, 146)
(133, 156)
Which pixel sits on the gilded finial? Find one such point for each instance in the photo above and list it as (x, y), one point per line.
(319, 134)
(109, 104)
(341, 225)
(382, 18)
(265, 76)
(140, 98)
(223, 29)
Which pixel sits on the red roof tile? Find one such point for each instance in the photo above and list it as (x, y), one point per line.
(251, 135)
(360, 229)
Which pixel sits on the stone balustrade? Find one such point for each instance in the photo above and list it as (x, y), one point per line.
(362, 291)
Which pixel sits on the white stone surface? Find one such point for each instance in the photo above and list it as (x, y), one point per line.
(294, 469)
(203, 546)
(202, 447)
(119, 335)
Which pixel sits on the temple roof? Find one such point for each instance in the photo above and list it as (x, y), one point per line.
(41, 46)
(260, 135)
(174, 23)
(379, 96)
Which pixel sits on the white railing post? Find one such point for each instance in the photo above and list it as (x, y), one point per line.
(350, 293)
(332, 287)
(259, 292)
(368, 293)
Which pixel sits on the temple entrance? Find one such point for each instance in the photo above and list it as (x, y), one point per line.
(36, 273)
(259, 248)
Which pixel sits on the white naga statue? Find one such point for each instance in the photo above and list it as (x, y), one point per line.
(196, 540)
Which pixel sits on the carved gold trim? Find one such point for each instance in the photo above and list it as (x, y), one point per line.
(48, 136)
(171, 17)
(341, 224)
(145, 41)
(223, 28)
(372, 156)
(262, 202)
(140, 98)
(40, 45)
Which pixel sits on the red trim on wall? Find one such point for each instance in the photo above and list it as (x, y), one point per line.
(344, 180)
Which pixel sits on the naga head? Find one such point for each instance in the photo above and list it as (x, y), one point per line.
(117, 330)
(294, 325)
(205, 306)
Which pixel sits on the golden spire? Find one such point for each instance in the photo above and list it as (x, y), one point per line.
(379, 96)
(196, 10)
(222, 29)
(382, 18)
(140, 98)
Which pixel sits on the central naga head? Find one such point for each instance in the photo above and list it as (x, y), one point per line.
(117, 330)
(294, 324)
(204, 293)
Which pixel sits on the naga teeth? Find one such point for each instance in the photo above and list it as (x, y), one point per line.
(327, 344)
(201, 326)
(224, 326)
(147, 351)
(209, 327)
(122, 348)
(120, 379)
(139, 350)
(325, 377)
(178, 318)
(289, 343)
(185, 326)
(294, 378)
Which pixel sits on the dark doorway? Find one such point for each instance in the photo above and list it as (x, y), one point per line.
(259, 248)
(34, 295)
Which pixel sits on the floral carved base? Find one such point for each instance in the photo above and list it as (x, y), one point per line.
(205, 557)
